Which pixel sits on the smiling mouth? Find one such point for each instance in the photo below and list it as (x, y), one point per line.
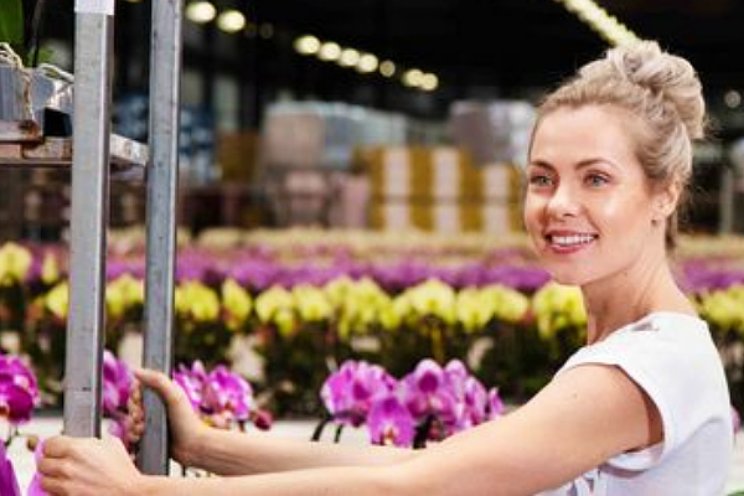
(570, 240)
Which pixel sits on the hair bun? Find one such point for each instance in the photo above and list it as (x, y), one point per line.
(671, 77)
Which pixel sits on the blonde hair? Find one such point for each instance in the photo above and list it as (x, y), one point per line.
(662, 90)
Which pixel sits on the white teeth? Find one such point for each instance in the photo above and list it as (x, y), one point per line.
(575, 239)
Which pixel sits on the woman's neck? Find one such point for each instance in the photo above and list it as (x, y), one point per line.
(629, 295)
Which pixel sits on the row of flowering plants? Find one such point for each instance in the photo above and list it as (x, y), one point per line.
(506, 321)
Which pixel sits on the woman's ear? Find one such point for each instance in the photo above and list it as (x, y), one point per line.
(666, 200)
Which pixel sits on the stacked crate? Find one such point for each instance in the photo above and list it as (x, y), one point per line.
(440, 189)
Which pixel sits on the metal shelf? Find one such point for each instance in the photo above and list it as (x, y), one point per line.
(126, 154)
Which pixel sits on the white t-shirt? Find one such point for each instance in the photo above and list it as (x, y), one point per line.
(671, 356)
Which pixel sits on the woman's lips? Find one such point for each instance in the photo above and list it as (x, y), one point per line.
(569, 242)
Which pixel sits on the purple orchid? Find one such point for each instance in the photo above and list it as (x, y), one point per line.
(429, 403)
(426, 392)
(390, 423)
(117, 384)
(225, 391)
(19, 392)
(348, 394)
(495, 405)
(191, 381)
(221, 397)
(8, 481)
(34, 488)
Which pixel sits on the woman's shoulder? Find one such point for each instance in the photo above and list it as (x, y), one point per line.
(671, 357)
(676, 332)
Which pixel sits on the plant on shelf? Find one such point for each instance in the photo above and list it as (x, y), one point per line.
(13, 31)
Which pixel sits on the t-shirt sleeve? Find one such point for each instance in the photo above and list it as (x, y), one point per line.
(651, 364)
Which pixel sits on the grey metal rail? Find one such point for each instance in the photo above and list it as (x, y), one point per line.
(162, 183)
(90, 175)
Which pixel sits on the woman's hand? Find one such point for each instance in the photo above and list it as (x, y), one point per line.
(88, 467)
(186, 429)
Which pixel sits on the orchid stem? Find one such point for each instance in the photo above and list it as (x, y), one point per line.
(318, 432)
(339, 430)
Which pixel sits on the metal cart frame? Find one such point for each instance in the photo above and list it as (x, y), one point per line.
(93, 150)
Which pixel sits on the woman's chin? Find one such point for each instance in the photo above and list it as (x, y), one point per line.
(568, 278)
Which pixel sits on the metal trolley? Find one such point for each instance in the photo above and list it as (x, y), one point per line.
(94, 155)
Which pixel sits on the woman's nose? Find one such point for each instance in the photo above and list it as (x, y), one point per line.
(564, 202)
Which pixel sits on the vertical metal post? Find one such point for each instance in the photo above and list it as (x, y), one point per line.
(162, 183)
(90, 173)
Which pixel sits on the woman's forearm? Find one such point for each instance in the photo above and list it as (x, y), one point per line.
(339, 481)
(229, 453)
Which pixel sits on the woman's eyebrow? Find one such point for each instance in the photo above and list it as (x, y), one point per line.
(541, 163)
(594, 161)
(579, 165)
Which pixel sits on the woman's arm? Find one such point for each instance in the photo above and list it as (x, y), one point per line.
(581, 419)
(227, 453)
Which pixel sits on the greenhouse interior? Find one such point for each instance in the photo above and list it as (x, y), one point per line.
(346, 224)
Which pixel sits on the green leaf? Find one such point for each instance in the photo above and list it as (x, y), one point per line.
(11, 21)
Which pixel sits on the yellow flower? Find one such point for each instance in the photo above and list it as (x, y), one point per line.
(49, 269)
(311, 303)
(433, 297)
(237, 302)
(402, 307)
(15, 262)
(272, 301)
(557, 306)
(197, 301)
(57, 300)
(338, 290)
(724, 309)
(389, 318)
(122, 294)
(285, 321)
(509, 304)
(474, 309)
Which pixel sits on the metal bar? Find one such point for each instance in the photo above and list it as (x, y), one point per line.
(162, 184)
(93, 55)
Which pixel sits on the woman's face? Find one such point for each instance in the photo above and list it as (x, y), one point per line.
(589, 207)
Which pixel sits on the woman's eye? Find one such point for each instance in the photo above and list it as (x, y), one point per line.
(596, 180)
(540, 180)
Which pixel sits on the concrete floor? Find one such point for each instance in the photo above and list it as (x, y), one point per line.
(24, 464)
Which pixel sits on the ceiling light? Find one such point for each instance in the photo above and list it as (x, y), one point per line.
(732, 98)
(307, 45)
(429, 82)
(349, 57)
(200, 12)
(367, 63)
(600, 21)
(412, 77)
(387, 68)
(231, 21)
(329, 51)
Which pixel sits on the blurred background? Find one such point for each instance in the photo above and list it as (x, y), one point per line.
(377, 114)
(350, 183)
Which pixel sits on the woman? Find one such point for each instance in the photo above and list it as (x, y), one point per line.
(642, 409)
